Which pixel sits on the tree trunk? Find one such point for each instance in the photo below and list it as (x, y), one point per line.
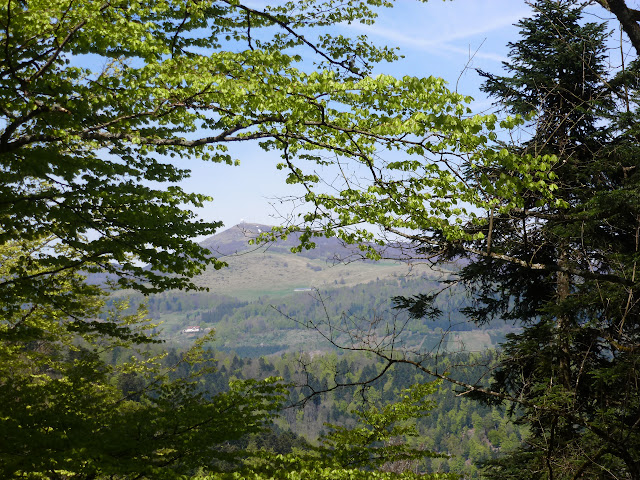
(563, 322)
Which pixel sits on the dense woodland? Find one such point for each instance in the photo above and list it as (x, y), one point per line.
(465, 432)
(536, 203)
(271, 324)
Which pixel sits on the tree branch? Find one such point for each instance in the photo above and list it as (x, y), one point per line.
(58, 50)
(628, 19)
(518, 261)
(283, 25)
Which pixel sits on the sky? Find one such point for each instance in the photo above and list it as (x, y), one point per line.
(447, 39)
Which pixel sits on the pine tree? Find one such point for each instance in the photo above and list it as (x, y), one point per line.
(574, 365)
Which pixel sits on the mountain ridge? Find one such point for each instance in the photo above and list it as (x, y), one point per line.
(272, 269)
(235, 240)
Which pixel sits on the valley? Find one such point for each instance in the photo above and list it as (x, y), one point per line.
(269, 300)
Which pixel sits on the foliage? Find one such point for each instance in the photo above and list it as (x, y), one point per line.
(98, 97)
(371, 445)
(357, 452)
(545, 233)
(291, 469)
(464, 431)
(68, 413)
(574, 365)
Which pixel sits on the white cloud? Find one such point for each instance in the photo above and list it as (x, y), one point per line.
(438, 38)
(472, 52)
(435, 35)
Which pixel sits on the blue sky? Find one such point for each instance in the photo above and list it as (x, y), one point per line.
(448, 39)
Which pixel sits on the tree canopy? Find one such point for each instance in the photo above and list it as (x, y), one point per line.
(544, 234)
(575, 353)
(68, 412)
(97, 97)
(96, 100)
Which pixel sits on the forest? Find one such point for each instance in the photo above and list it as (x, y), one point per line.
(528, 211)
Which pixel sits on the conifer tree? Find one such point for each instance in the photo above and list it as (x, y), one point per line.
(574, 365)
(548, 236)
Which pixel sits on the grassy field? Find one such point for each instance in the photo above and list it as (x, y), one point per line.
(259, 274)
(270, 276)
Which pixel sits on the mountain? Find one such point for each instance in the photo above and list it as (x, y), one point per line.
(273, 270)
(236, 240)
(259, 304)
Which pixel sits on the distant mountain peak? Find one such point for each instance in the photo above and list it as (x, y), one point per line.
(235, 239)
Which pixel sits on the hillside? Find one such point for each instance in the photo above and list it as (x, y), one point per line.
(262, 301)
(272, 270)
(236, 240)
